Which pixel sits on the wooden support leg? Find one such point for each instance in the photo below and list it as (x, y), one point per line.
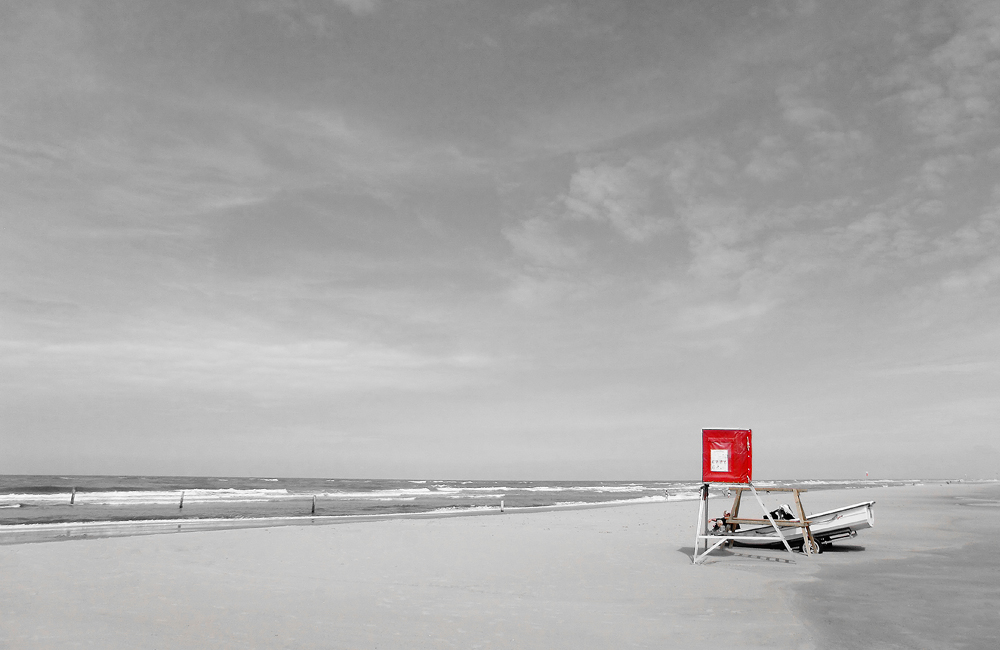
(735, 512)
(808, 541)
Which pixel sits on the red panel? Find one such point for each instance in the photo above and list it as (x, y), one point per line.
(725, 456)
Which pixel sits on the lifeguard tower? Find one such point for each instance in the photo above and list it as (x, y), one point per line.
(727, 458)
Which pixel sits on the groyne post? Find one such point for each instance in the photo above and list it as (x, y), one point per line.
(314, 505)
(72, 497)
(181, 506)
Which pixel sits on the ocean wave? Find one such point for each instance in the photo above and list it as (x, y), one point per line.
(377, 494)
(453, 509)
(489, 488)
(659, 498)
(149, 497)
(587, 488)
(634, 487)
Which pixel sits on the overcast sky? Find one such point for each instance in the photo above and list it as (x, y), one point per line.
(475, 239)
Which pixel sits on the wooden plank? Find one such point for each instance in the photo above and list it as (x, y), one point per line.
(764, 522)
(773, 489)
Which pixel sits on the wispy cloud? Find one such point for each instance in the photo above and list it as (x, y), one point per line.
(360, 7)
(771, 160)
(299, 17)
(199, 363)
(945, 367)
(949, 93)
(619, 196)
(538, 239)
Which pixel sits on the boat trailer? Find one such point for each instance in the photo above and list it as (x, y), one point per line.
(726, 528)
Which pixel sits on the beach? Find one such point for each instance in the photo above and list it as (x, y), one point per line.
(599, 577)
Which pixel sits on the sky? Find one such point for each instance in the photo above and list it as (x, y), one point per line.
(520, 240)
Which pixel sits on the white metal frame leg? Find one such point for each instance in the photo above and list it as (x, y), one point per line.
(701, 528)
(768, 515)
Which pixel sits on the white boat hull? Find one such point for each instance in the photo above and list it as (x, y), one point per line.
(841, 523)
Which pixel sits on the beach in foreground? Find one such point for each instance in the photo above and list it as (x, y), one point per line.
(612, 577)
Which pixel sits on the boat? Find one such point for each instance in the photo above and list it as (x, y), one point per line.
(826, 527)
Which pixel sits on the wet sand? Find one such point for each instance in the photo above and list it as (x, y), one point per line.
(927, 576)
(595, 578)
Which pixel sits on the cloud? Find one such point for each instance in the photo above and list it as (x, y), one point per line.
(716, 231)
(298, 17)
(839, 150)
(784, 9)
(935, 173)
(950, 92)
(328, 147)
(538, 239)
(159, 175)
(835, 146)
(360, 7)
(979, 239)
(253, 154)
(198, 362)
(717, 314)
(942, 367)
(571, 19)
(293, 17)
(977, 278)
(534, 291)
(695, 168)
(37, 309)
(617, 195)
(549, 15)
(801, 111)
(771, 160)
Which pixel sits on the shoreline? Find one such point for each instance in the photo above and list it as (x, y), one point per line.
(14, 534)
(591, 577)
(41, 532)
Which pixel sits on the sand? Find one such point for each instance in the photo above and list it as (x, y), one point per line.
(615, 577)
(927, 576)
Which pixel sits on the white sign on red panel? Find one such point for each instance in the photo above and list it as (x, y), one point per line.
(720, 460)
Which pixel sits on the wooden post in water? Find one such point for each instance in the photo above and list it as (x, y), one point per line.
(181, 507)
(314, 505)
(501, 505)
(72, 497)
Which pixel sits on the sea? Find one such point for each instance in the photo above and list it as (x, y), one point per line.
(48, 508)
